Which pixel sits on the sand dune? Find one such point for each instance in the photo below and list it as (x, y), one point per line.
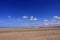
(30, 34)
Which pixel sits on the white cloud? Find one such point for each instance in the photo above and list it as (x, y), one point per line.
(25, 17)
(32, 18)
(55, 21)
(58, 17)
(45, 20)
(52, 22)
(46, 24)
(55, 17)
(35, 19)
(9, 17)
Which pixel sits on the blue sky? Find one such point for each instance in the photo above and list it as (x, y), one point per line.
(41, 9)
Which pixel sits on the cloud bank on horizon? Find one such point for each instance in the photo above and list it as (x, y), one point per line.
(26, 21)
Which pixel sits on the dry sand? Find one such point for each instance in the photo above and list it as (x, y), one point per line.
(30, 34)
